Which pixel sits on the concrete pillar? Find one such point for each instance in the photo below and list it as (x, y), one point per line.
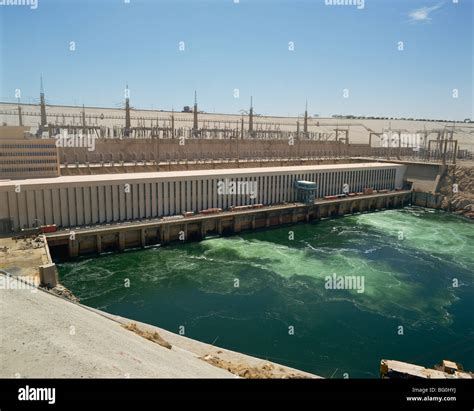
(294, 217)
(253, 221)
(98, 241)
(121, 240)
(164, 234)
(407, 199)
(48, 275)
(341, 209)
(143, 237)
(237, 225)
(396, 202)
(322, 211)
(73, 248)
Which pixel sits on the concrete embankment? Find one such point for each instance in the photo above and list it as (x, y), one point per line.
(454, 192)
(112, 237)
(445, 187)
(49, 337)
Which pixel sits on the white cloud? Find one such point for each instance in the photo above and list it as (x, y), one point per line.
(422, 14)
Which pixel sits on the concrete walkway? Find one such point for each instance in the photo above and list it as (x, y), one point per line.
(45, 336)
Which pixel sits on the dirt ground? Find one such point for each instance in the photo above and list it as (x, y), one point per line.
(22, 257)
(244, 370)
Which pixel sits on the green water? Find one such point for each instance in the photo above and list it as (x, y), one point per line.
(408, 259)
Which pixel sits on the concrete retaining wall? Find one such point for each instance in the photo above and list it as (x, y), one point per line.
(75, 201)
(119, 237)
(197, 149)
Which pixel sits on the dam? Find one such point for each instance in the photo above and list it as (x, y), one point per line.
(221, 219)
(234, 204)
(75, 201)
(113, 237)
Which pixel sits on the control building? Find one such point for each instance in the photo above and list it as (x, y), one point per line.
(26, 157)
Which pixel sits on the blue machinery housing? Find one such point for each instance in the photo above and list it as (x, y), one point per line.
(306, 191)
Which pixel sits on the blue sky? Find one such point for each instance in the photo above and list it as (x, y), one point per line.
(244, 46)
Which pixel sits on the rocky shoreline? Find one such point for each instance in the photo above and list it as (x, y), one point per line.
(457, 188)
(64, 292)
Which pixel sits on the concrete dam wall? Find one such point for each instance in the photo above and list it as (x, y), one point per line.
(71, 201)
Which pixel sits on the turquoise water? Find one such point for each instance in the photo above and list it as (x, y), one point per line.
(409, 261)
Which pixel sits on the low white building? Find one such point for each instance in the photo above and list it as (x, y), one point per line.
(71, 201)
